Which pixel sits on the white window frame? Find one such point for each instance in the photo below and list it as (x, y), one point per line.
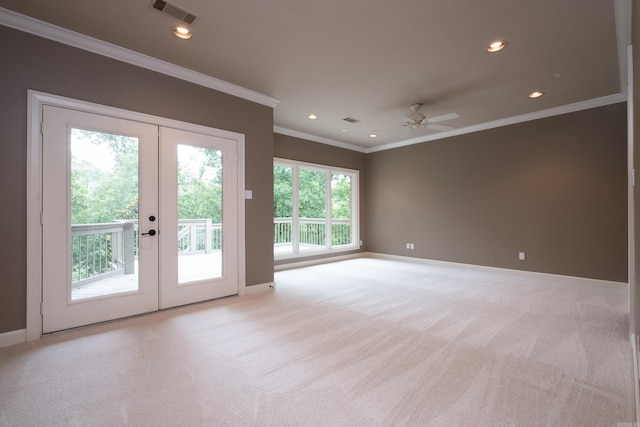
(355, 211)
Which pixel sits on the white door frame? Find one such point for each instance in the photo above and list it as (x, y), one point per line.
(35, 101)
(634, 310)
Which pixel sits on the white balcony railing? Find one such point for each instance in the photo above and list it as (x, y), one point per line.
(103, 250)
(312, 232)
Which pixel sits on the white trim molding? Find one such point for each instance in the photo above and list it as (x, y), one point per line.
(315, 138)
(622, 10)
(550, 112)
(532, 274)
(36, 100)
(258, 289)
(317, 261)
(13, 337)
(636, 374)
(43, 29)
(20, 22)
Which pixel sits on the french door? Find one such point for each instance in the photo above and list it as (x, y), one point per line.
(135, 218)
(198, 203)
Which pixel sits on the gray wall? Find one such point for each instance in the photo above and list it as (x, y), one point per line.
(288, 147)
(554, 188)
(635, 41)
(29, 62)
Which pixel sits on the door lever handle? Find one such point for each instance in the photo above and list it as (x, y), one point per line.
(150, 233)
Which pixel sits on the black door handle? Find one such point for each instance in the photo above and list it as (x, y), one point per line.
(150, 233)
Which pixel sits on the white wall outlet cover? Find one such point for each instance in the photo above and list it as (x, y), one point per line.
(521, 256)
(248, 194)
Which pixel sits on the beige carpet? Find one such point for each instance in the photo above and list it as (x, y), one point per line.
(356, 343)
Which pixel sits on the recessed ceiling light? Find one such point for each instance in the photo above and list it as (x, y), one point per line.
(496, 46)
(312, 117)
(182, 32)
(373, 135)
(536, 94)
(344, 130)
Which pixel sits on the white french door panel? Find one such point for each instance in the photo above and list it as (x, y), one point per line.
(199, 216)
(136, 216)
(66, 303)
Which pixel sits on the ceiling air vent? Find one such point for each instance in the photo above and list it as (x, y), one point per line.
(351, 120)
(175, 11)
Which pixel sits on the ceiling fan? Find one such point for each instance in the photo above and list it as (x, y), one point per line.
(418, 120)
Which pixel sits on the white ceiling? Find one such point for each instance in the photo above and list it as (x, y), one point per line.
(372, 59)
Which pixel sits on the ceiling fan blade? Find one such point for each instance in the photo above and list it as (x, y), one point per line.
(439, 127)
(411, 125)
(442, 118)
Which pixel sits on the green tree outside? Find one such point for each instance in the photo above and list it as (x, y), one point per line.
(312, 203)
(104, 188)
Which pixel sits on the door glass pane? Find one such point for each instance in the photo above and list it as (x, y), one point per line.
(313, 210)
(104, 214)
(340, 209)
(282, 209)
(199, 213)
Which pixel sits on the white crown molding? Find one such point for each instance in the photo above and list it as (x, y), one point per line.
(550, 112)
(30, 25)
(320, 139)
(555, 111)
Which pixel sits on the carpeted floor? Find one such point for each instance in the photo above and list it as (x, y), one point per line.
(362, 342)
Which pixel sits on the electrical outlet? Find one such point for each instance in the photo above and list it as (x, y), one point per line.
(412, 247)
(408, 245)
(521, 256)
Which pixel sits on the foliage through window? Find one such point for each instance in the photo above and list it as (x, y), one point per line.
(315, 209)
(104, 192)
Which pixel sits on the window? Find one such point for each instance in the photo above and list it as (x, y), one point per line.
(315, 209)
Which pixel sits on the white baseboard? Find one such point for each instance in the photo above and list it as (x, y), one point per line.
(300, 264)
(636, 374)
(256, 289)
(532, 274)
(13, 337)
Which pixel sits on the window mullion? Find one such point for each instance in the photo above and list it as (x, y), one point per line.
(355, 211)
(328, 214)
(295, 211)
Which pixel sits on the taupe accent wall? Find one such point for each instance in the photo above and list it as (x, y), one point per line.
(635, 41)
(30, 62)
(288, 147)
(553, 188)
